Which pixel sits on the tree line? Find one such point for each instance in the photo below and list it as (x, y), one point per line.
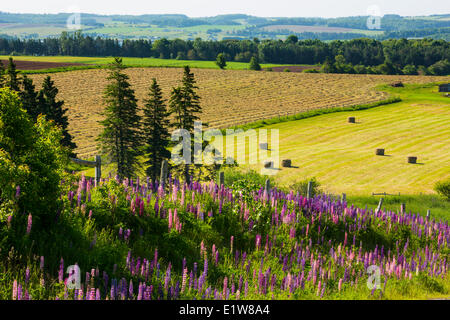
(364, 52)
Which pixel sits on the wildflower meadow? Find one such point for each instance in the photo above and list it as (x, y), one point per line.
(137, 240)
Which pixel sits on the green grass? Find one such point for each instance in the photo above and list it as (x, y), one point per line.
(438, 206)
(342, 155)
(129, 62)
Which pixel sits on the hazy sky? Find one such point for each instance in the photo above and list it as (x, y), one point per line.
(202, 8)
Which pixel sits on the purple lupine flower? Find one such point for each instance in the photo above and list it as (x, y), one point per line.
(19, 292)
(130, 289)
(27, 275)
(17, 192)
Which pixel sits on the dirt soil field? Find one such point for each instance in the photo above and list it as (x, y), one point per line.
(300, 28)
(227, 97)
(38, 65)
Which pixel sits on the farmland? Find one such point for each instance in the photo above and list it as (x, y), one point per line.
(83, 62)
(342, 155)
(319, 29)
(228, 97)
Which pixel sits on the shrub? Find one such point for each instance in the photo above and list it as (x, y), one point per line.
(310, 71)
(440, 68)
(443, 188)
(302, 187)
(410, 70)
(286, 70)
(31, 160)
(254, 64)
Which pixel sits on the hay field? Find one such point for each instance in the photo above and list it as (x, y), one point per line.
(229, 97)
(341, 155)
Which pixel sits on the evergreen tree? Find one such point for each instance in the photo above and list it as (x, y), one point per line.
(254, 64)
(53, 110)
(155, 128)
(185, 105)
(28, 95)
(12, 79)
(121, 137)
(221, 61)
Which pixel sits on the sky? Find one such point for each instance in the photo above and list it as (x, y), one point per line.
(261, 8)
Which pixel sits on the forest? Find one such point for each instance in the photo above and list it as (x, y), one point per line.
(392, 56)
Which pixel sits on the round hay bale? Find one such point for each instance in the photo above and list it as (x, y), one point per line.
(412, 159)
(379, 152)
(351, 119)
(268, 164)
(398, 84)
(264, 146)
(287, 163)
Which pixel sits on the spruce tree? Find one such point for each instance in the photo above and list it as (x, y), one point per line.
(185, 104)
(254, 64)
(12, 79)
(28, 95)
(53, 110)
(156, 131)
(121, 137)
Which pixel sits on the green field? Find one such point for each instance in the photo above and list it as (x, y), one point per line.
(342, 155)
(135, 62)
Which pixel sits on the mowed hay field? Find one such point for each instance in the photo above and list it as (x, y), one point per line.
(341, 155)
(228, 97)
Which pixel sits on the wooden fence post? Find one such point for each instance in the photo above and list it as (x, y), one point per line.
(428, 214)
(344, 197)
(379, 205)
(309, 192)
(163, 177)
(267, 185)
(98, 168)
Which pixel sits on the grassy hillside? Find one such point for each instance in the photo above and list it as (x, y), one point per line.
(342, 155)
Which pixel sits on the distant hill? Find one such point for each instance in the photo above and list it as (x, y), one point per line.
(231, 26)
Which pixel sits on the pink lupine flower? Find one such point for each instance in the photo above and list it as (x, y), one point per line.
(42, 263)
(30, 223)
(14, 293)
(170, 219)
